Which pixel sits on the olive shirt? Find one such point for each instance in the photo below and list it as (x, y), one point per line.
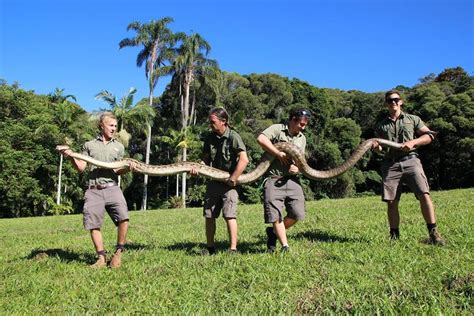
(224, 150)
(400, 131)
(109, 152)
(279, 133)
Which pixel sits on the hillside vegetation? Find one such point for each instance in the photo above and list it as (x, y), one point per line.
(32, 125)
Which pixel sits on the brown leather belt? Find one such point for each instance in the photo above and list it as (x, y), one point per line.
(102, 186)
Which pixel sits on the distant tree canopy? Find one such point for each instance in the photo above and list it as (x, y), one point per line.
(32, 125)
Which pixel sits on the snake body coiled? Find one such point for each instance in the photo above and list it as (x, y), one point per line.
(296, 154)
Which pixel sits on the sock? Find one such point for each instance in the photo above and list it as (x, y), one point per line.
(431, 226)
(394, 233)
(120, 247)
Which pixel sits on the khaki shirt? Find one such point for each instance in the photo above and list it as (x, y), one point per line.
(109, 152)
(400, 131)
(277, 133)
(224, 150)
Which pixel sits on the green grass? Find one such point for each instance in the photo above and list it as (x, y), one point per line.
(341, 261)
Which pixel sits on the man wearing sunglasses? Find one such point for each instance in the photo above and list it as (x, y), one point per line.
(282, 188)
(403, 166)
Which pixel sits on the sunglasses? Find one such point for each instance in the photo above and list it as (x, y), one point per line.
(301, 113)
(390, 100)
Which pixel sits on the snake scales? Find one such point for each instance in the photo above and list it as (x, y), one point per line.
(296, 154)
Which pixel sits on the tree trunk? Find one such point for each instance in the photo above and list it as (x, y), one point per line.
(147, 156)
(183, 180)
(58, 197)
(177, 185)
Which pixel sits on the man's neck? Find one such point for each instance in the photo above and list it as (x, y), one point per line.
(105, 139)
(291, 130)
(221, 132)
(395, 114)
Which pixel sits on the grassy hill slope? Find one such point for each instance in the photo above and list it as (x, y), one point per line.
(340, 261)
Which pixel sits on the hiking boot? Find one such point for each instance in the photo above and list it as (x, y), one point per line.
(100, 263)
(285, 249)
(209, 251)
(435, 238)
(271, 239)
(116, 261)
(394, 234)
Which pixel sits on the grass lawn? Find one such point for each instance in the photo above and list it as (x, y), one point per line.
(341, 261)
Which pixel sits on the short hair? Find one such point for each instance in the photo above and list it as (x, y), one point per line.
(221, 114)
(104, 116)
(390, 92)
(298, 113)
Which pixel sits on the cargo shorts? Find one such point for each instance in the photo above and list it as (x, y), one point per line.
(220, 198)
(97, 201)
(409, 172)
(280, 192)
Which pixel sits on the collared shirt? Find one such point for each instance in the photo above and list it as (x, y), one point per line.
(224, 150)
(401, 130)
(280, 133)
(107, 152)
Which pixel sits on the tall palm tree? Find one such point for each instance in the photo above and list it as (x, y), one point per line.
(191, 61)
(64, 114)
(157, 41)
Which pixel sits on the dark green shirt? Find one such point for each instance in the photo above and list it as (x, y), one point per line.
(224, 150)
(277, 133)
(109, 152)
(400, 131)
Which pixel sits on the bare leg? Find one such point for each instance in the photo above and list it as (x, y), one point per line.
(96, 236)
(232, 230)
(289, 222)
(280, 231)
(393, 214)
(122, 232)
(427, 208)
(210, 231)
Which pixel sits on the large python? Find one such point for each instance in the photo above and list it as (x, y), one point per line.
(215, 174)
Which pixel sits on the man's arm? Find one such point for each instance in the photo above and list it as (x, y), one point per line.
(425, 138)
(267, 145)
(79, 165)
(239, 169)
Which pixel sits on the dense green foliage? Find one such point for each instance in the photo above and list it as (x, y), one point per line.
(341, 262)
(31, 125)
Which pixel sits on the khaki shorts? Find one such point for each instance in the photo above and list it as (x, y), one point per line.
(96, 202)
(409, 172)
(220, 197)
(280, 193)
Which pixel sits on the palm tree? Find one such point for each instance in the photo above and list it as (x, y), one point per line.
(191, 61)
(64, 114)
(122, 110)
(57, 96)
(157, 41)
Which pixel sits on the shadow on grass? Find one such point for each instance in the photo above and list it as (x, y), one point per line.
(199, 249)
(63, 255)
(321, 236)
(71, 256)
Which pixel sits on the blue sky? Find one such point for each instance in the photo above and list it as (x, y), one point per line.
(365, 45)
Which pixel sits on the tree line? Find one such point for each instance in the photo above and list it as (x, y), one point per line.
(162, 130)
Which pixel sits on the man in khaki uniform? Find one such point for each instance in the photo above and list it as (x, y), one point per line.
(102, 192)
(282, 188)
(225, 150)
(403, 166)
